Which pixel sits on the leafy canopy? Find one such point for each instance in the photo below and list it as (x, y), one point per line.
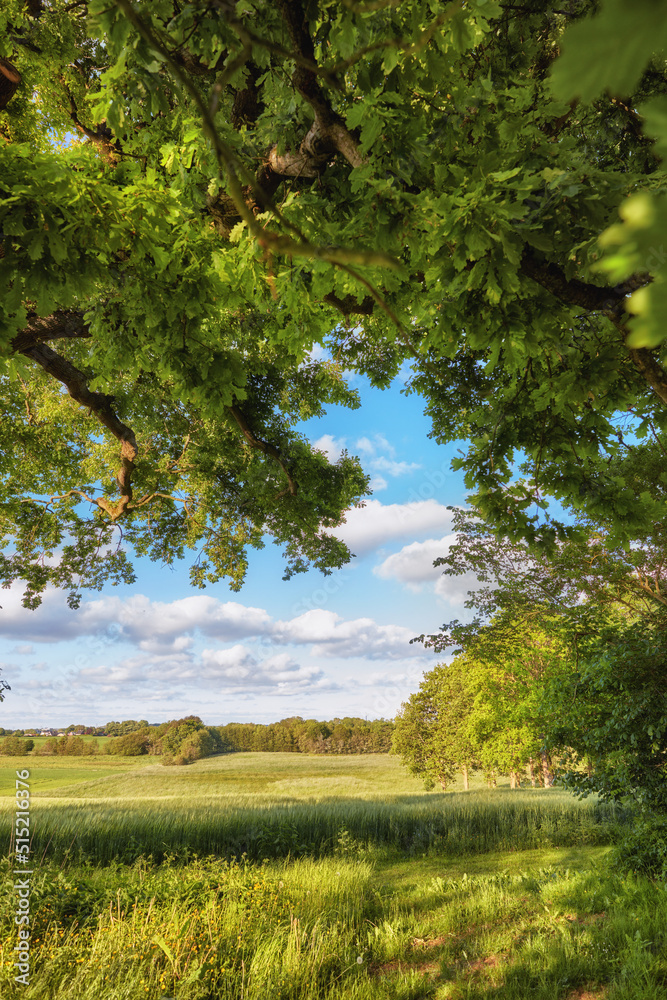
(464, 186)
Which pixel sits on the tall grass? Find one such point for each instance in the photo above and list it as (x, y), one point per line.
(104, 830)
(330, 929)
(257, 880)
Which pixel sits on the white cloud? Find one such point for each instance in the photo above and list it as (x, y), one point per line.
(373, 525)
(393, 468)
(24, 649)
(331, 636)
(413, 566)
(238, 667)
(377, 484)
(377, 463)
(331, 446)
(155, 626)
(371, 448)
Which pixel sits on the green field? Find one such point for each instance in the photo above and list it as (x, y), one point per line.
(288, 876)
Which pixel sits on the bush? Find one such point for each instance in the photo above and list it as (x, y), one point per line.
(69, 746)
(643, 849)
(14, 746)
(130, 745)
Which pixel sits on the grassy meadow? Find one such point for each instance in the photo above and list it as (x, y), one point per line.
(288, 876)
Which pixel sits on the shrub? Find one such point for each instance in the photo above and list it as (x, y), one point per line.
(14, 746)
(130, 745)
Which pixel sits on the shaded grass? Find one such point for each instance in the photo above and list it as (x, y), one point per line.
(336, 928)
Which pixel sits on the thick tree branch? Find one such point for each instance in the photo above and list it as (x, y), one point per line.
(10, 78)
(101, 137)
(648, 366)
(609, 301)
(60, 324)
(349, 305)
(573, 292)
(76, 383)
(329, 129)
(234, 169)
(264, 446)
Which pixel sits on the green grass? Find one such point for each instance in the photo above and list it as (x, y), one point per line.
(349, 881)
(50, 773)
(269, 805)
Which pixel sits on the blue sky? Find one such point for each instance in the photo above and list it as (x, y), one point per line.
(313, 646)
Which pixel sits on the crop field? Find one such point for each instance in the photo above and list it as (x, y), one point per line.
(288, 876)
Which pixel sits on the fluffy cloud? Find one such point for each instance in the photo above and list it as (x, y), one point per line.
(331, 446)
(413, 566)
(329, 635)
(238, 667)
(155, 626)
(372, 526)
(378, 456)
(166, 632)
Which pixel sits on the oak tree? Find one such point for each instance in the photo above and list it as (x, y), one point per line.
(193, 195)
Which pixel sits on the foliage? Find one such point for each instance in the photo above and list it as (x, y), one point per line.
(14, 746)
(123, 728)
(600, 705)
(487, 708)
(130, 745)
(426, 182)
(296, 735)
(68, 746)
(432, 734)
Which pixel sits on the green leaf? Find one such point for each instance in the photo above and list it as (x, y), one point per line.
(609, 51)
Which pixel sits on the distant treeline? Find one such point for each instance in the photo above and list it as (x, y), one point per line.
(297, 735)
(182, 741)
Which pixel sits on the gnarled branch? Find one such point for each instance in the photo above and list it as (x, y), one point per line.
(60, 324)
(610, 301)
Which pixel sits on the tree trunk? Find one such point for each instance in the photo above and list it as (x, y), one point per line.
(466, 783)
(547, 775)
(512, 779)
(531, 772)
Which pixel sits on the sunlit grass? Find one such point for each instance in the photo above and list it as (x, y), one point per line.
(288, 878)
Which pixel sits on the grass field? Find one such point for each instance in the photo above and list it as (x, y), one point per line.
(283, 876)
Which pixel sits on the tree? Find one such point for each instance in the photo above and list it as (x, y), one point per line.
(14, 746)
(430, 182)
(132, 744)
(431, 732)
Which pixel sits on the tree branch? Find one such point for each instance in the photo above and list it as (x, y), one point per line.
(61, 323)
(264, 446)
(349, 305)
(76, 383)
(609, 301)
(329, 126)
(10, 78)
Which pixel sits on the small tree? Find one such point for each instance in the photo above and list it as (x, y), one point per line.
(14, 746)
(431, 730)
